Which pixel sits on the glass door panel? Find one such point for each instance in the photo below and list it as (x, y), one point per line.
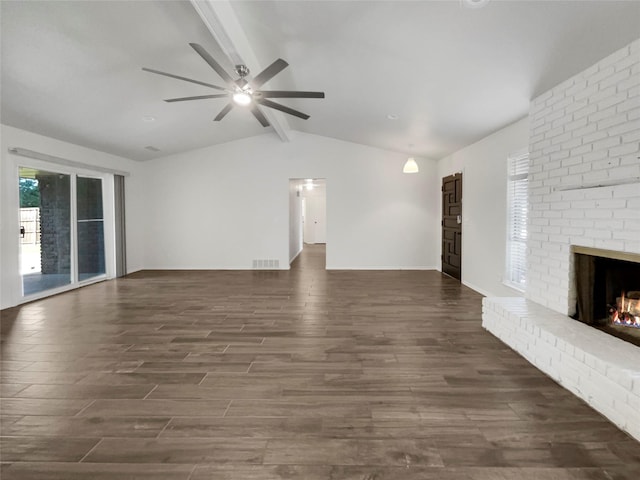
(45, 230)
(90, 225)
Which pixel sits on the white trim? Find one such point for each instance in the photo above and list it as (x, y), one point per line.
(475, 288)
(24, 152)
(407, 269)
(513, 286)
(295, 256)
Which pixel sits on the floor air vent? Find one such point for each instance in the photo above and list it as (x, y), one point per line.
(269, 264)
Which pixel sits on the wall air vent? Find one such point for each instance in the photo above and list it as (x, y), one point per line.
(267, 264)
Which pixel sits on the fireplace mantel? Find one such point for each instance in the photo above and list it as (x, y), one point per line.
(599, 252)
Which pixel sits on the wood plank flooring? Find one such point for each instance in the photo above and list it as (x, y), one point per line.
(303, 374)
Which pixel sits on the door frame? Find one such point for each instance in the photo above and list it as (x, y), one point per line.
(108, 219)
(297, 185)
(448, 223)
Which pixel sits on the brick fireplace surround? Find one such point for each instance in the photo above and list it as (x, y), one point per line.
(584, 191)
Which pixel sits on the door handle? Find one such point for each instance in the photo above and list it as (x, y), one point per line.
(459, 219)
(22, 232)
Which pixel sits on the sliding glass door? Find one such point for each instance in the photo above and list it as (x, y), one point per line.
(62, 232)
(45, 230)
(90, 228)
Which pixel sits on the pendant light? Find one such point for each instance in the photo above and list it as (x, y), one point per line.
(410, 166)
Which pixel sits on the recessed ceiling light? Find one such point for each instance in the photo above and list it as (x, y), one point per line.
(474, 3)
(151, 148)
(148, 118)
(393, 116)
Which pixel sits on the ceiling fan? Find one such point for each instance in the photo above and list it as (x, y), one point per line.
(242, 92)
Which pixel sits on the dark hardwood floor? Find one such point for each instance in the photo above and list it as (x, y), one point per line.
(304, 374)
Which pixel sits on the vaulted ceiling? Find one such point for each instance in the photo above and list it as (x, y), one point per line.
(448, 73)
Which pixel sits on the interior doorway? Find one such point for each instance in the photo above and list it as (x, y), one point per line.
(307, 214)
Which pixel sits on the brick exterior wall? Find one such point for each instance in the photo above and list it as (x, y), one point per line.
(55, 226)
(584, 131)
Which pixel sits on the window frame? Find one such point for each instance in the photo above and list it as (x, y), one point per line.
(517, 203)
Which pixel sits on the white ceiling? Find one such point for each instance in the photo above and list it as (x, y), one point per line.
(452, 74)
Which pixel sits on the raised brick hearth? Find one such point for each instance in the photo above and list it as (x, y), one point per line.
(602, 370)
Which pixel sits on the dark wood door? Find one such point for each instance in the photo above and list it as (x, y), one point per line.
(452, 225)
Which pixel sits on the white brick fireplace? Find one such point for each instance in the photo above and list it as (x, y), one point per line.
(584, 190)
(584, 132)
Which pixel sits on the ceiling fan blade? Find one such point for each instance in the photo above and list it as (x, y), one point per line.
(223, 112)
(259, 115)
(268, 73)
(212, 63)
(282, 108)
(288, 94)
(171, 75)
(198, 97)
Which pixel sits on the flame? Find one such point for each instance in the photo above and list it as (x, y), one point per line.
(625, 311)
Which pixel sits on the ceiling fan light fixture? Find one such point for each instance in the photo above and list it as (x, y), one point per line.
(242, 98)
(410, 166)
(240, 91)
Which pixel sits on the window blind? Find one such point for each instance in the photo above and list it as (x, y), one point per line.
(517, 205)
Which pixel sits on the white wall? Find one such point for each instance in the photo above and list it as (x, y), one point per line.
(10, 283)
(584, 131)
(223, 206)
(484, 215)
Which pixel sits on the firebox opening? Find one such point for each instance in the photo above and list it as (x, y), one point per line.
(608, 294)
(626, 311)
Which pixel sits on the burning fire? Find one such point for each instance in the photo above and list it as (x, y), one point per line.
(627, 310)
